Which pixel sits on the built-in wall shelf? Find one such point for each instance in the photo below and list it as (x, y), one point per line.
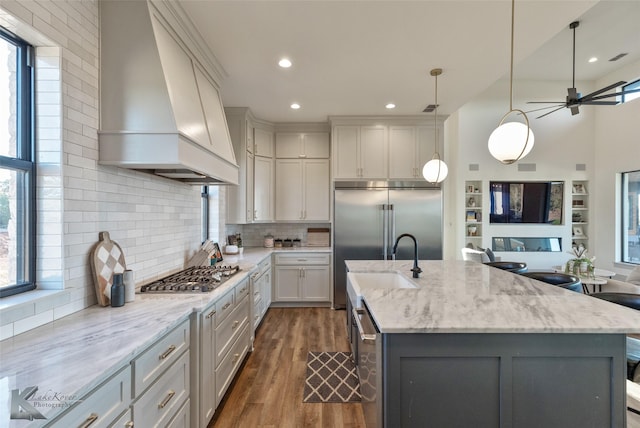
(580, 213)
(473, 212)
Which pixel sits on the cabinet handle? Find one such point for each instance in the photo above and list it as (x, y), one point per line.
(166, 353)
(210, 314)
(304, 273)
(256, 317)
(235, 324)
(226, 306)
(255, 293)
(235, 358)
(255, 215)
(166, 400)
(302, 260)
(302, 156)
(90, 420)
(128, 424)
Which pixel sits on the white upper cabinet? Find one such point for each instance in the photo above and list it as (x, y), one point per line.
(263, 200)
(294, 145)
(302, 190)
(360, 152)
(263, 143)
(410, 147)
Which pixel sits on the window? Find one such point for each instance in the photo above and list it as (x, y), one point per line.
(631, 217)
(633, 86)
(17, 167)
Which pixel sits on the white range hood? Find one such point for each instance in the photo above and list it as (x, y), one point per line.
(160, 110)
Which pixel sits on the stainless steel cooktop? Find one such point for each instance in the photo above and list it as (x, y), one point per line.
(196, 279)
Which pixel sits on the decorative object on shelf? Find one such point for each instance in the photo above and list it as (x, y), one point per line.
(577, 231)
(579, 189)
(471, 202)
(472, 230)
(511, 141)
(470, 188)
(471, 216)
(576, 217)
(581, 265)
(435, 171)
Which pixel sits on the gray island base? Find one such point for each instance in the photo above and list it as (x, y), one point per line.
(474, 346)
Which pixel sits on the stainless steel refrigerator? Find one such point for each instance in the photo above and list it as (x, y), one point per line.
(368, 216)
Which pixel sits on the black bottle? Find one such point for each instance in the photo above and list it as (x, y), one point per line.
(117, 291)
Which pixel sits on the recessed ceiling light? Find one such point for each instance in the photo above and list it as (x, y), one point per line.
(295, 106)
(284, 63)
(390, 106)
(593, 59)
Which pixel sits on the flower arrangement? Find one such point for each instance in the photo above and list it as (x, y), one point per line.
(581, 264)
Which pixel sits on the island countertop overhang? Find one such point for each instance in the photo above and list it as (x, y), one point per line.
(467, 297)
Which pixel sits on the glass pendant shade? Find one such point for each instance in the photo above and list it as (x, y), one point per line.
(510, 142)
(435, 171)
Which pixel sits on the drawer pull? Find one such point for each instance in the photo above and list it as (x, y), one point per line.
(235, 358)
(90, 420)
(210, 314)
(168, 352)
(128, 424)
(243, 290)
(226, 306)
(255, 293)
(166, 400)
(235, 324)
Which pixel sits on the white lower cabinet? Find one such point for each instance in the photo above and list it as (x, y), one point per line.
(161, 402)
(302, 277)
(182, 419)
(102, 406)
(207, 368)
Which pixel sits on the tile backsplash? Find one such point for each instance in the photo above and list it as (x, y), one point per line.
(253, 234)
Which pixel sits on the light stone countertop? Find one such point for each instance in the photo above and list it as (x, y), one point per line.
(76, 353)
(468, 297)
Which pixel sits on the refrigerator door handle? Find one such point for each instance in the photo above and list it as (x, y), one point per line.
(392, 230)
(385, 232)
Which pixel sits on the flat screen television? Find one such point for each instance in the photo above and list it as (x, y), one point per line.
(526, 202)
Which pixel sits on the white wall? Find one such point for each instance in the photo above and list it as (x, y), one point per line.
(156, 221)
(617, 150)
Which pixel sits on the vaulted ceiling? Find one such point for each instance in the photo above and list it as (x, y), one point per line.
(354, 57)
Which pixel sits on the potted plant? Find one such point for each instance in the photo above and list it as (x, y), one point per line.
(581, 264)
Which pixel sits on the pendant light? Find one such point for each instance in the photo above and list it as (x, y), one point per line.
(511, 141)
(435, 171)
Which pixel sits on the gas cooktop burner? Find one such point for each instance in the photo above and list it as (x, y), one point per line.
(192, 280)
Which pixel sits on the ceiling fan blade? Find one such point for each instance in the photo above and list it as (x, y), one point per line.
(600, 103)
(616, 94)
(544, 108)
(605, 89)
(546, 114)
(574, 110)
(545, 102)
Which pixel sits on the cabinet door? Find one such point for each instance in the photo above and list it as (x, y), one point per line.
(345, 151)
(207, 375)
(288, 145)
(263, 189)
(316, 190)
(263, 143)
(372, 152)
(287, 287)
(316, 145)
(288, 189)
(402, 152)
(250, 183)
(266, 292)
(316, 283)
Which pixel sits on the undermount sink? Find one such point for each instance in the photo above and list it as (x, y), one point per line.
(358, 281)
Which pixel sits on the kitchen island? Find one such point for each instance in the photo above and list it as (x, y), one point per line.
(471, 345)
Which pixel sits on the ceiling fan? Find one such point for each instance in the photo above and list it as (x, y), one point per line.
(574, 99)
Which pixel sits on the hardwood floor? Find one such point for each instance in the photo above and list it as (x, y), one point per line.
(268, 391)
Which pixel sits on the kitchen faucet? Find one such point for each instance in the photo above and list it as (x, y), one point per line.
(416, 270)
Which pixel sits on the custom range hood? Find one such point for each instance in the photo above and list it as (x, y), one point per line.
(160, 109)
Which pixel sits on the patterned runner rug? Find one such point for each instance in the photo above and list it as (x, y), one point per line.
(331, 378)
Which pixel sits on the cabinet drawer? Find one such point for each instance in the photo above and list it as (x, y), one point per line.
(148, 366)
(102, 405)
(230, 364)
(242, 290)
(227, 332)
(257, 312)
(182, 419)
(161, 402)
(303, 259)
(224, 307)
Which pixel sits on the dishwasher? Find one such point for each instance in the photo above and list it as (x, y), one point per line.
(369, 366)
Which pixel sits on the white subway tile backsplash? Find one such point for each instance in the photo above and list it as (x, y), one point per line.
(34, 321)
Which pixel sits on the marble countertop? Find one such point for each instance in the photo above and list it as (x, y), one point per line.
(76, 353)
(469, 297)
